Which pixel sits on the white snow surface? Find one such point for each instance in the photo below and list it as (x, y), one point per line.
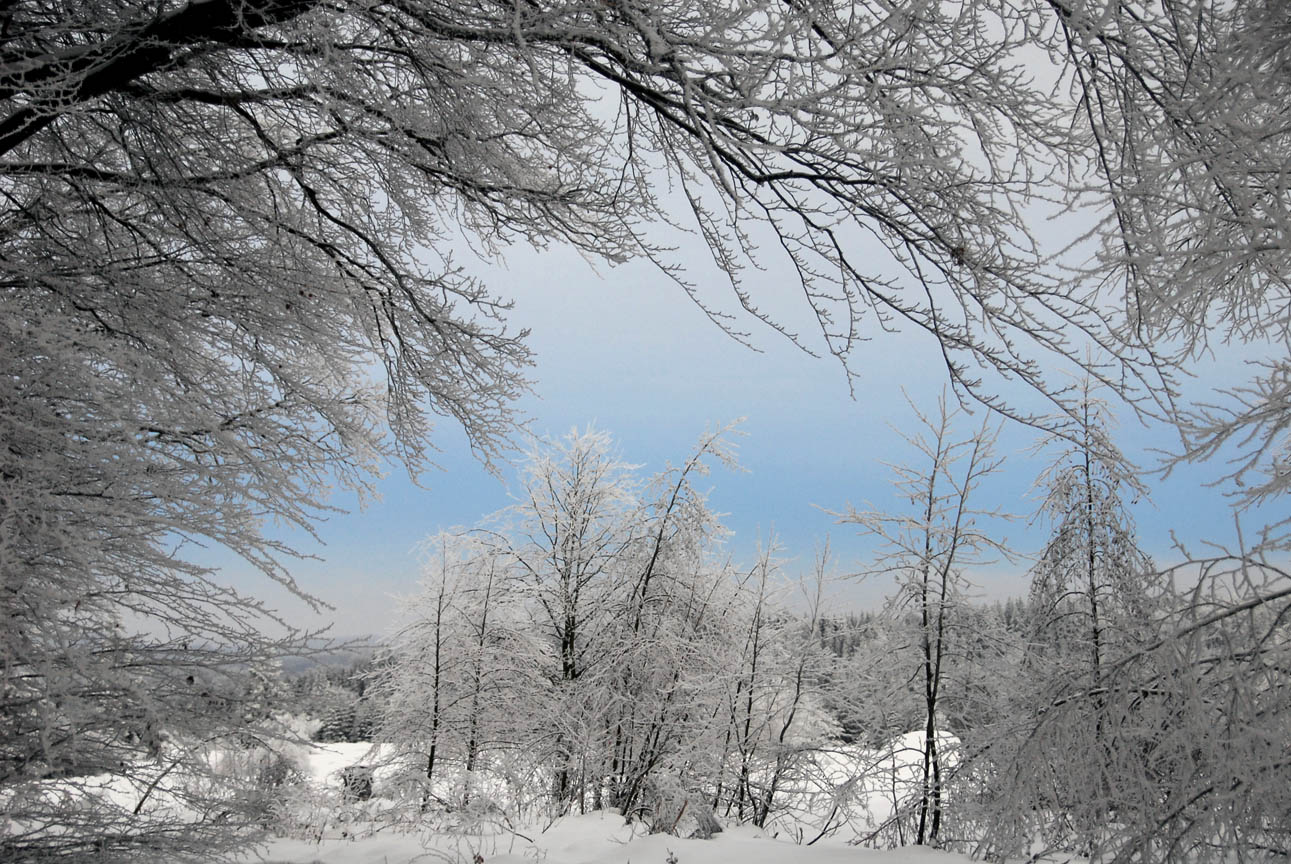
(594, 838)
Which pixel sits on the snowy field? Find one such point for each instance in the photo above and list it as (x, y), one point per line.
(596, 838)
(344, 836)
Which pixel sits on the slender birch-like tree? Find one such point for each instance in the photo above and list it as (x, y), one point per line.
(927, 549)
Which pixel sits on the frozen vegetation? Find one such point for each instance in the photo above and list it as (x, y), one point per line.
(241, 250)
(585, 677)
(347, 832)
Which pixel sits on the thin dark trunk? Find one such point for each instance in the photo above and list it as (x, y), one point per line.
(435, 704)
(925, 644)
(1091, 563)
(472, 737)
(726, 749)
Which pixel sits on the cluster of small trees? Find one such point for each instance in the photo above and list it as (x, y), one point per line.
(338, 699)
(1124, 712)
(590, 648)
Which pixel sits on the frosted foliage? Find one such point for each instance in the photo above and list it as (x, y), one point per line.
(1178, 753)
(589, 648)
(1093, 603)
(123, 663)
(1185, 106)
(456, 672)
(896, 159)
(1152, 715)
(226, 282)
(1091, 589)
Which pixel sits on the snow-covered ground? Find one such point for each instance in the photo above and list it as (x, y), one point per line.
(605, 837)
(841, 795)
(596, 838)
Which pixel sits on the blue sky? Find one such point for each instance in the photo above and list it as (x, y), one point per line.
(625, 350)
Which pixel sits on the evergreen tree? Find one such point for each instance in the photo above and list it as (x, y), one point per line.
(1090, 589)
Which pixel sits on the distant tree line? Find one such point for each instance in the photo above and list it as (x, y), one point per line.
(339, 699)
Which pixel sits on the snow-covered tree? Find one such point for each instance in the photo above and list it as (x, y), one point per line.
(794, 682)
(624, 662)
(927, 550)
(671, 628)
(457, 672)
(1093, 602)
(1184, 758)
(615, 620)
(570, 532)
(219, 216)
(1090, 590)
(1149, 699)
